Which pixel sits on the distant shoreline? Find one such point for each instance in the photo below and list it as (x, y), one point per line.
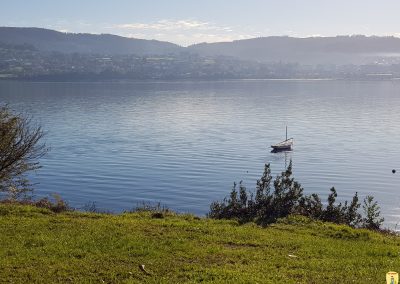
(198, 80)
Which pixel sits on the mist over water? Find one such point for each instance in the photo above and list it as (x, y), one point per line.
(185, 143)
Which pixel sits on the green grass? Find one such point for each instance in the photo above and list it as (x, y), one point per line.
(38, 246)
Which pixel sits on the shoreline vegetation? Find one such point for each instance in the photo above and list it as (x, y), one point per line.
(283, 196)
(271, 200)
(193, 80)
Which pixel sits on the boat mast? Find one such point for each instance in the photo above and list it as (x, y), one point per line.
(286, 132)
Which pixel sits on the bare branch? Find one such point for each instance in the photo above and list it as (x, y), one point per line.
(20, 149)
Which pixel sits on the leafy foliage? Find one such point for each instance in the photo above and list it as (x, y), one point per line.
(340, 214)
(286, 198)
(372, 212)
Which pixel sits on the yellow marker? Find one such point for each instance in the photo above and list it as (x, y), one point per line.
(392, 278)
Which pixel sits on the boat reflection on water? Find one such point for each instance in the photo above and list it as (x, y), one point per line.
(280, 156)
(286, 145)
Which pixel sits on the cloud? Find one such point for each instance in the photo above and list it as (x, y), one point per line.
(183, 32)
(314, 35)
(170, 25)
(62, 25)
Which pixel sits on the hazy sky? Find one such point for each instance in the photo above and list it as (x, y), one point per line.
(188, 21)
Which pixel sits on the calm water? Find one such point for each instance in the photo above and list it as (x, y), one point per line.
(183, 144)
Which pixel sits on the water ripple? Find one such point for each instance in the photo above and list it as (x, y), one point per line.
(184, 143)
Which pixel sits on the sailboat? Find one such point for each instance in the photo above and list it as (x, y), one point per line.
(286, 145)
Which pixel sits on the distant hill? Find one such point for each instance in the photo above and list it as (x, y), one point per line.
(312, 50)
(338, 50)
(49, 40)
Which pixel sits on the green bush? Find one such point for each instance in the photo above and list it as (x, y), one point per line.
(286, 198)
(372, 213)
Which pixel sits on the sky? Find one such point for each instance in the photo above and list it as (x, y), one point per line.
(186, 22)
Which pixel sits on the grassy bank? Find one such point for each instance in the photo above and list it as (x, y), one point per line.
(38, 245)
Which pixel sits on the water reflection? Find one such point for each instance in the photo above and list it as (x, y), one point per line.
(184, 143)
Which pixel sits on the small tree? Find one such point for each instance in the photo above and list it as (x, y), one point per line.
(336, 213)
(310, 206)
(286, 196)
(261, 206)
(352, 217)
(333, 213)
(372, 213)
(20, 149)
(234, 207)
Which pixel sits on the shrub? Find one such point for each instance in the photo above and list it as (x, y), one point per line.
(57, 206)
(236, 207)
(267, 206)
(157, 210)
(372, 212)
(311, 206)
(352, 217)
(285, 198)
